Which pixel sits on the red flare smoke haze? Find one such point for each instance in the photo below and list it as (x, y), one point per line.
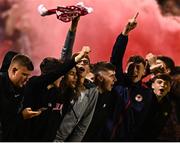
(155, 33)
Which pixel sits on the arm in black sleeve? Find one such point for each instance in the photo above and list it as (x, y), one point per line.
(69, 42)
(118, 54)
(35, 86)
(66, 52)
(50, 77)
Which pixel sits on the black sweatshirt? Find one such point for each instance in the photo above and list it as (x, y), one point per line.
(37, 95)
(10, 107)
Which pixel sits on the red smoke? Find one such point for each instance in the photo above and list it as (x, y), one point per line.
(155, 33)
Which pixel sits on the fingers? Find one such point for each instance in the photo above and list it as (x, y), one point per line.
(135, 16)
(133, 20)
(86, 49)
(34, 113)
(156, 67)
(28, 113)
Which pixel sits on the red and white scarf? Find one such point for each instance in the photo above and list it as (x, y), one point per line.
(66, 13)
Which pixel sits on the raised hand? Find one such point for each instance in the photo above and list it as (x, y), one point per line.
(151, 59)
(132, 23)
(84, 51)
(74, 24)
(153, 65)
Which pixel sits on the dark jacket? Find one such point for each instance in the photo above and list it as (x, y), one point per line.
(129, 111)
(44, 126)
(10, 109)
(37, 96)
(97, 130)
(157, 118)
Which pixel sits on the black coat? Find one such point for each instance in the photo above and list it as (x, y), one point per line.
(10, 109)
(157, 118)
(37, 95)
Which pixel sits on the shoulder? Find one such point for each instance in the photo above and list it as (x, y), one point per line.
(118, 89)
(33, 81)
(3, 77)
(92, 94)
(92, 91)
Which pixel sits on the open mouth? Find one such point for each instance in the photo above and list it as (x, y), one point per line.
(81, 69)
(161, 90)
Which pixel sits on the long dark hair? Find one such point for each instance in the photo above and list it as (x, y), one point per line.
(69, 93)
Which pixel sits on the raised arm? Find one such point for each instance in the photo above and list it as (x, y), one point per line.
(120, 47)
(66, 52)
(46, 79)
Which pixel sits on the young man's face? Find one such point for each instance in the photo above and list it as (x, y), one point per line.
(72, 78)
(135, 71)
(161, 87)
(83, 67)
(107, 80)
(20, 75)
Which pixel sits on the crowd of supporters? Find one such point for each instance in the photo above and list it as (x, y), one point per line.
(74, 100)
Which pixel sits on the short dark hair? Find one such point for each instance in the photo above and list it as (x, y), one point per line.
(24, 61)
(7, 60)
(168, 61)
(102, 66)
(165, 77)
(49, 64)
(137, 59)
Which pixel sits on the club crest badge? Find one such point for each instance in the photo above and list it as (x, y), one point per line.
(138, 98)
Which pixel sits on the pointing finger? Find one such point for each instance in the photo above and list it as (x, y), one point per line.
(135, 16)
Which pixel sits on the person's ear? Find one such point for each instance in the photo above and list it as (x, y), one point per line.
(14, 69)
(100, 77)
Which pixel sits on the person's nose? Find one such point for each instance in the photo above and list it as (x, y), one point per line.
(115, 79)
(162, 84)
